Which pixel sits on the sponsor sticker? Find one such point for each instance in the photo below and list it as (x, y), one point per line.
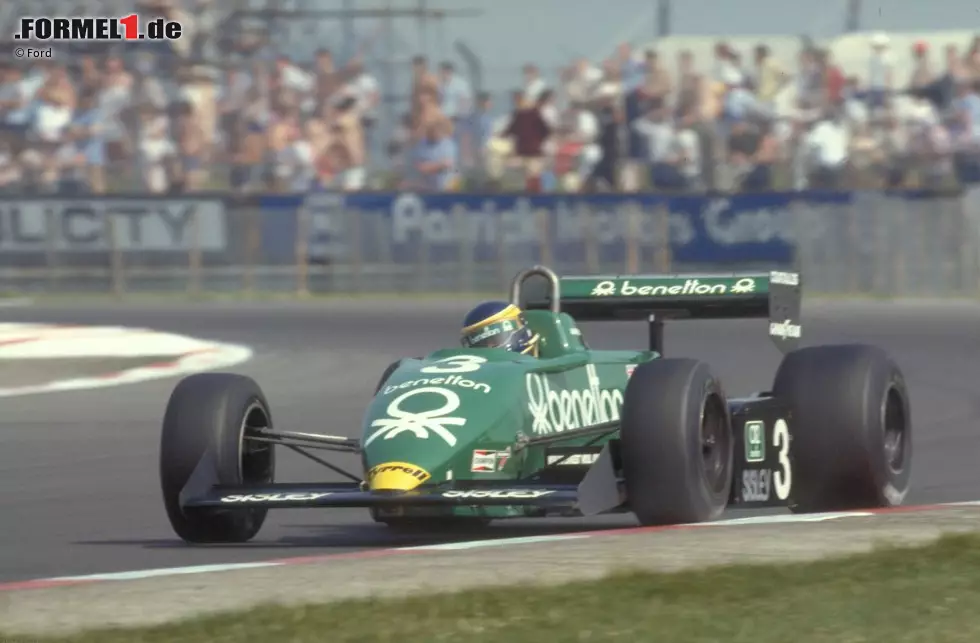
(756, 485)
(558, 411)
(396, 475)
(755, 442)
(690, 286)
(272, 497)
(484, 462)
(452, 380)
(573, 459)
(516, 494)
(785, 329)
(784, 278)
(491, 330)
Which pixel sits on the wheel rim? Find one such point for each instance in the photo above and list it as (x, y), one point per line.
(896, 429)
(255, 465)
(715, 446)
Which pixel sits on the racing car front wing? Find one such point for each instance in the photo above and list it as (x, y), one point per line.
(293, 495)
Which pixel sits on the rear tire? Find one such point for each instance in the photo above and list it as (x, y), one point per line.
(677, 443)
(851, 427)
(208, 413)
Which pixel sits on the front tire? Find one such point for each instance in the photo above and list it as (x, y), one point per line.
(208, 414)
(851, 427)
(677, 445)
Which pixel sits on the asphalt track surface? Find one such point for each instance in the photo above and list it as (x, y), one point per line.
(79, 490)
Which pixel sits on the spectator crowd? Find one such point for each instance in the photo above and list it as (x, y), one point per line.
(635, 121)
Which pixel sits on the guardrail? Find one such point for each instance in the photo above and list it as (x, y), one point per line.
(861, 243)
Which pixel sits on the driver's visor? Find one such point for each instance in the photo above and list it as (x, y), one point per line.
(496, 335)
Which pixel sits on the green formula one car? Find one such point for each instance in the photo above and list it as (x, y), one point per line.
(463, 436)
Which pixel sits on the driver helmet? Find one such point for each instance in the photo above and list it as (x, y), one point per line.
(497, 324)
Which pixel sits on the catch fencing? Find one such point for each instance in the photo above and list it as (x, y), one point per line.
(848, 243)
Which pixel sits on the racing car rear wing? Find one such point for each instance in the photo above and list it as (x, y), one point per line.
(656, 298)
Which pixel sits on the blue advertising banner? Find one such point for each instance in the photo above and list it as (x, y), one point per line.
(397, 227)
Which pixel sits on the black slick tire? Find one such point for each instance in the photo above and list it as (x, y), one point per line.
(209, 413)
(850, 426)
(676, 443)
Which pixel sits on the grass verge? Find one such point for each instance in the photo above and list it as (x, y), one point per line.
(899, 595)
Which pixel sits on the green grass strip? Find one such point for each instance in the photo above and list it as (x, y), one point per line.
(900, 595)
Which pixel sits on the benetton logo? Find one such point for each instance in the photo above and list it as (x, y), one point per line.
(691, 286)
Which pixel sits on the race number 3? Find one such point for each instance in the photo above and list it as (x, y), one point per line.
(783, 478)
(456, 364)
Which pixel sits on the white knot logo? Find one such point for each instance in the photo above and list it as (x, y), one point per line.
(604, 288)
(744, 285)
(420, 424)
(556, 412)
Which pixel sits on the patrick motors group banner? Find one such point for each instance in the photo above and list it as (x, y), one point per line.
(399, 227)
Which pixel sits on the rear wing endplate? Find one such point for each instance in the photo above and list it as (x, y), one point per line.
(775, 295)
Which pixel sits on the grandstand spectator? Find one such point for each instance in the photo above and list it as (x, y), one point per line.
(922, 74)
(425, 93)
(880, 73)
(770, 79)
(765, 154)
(609, 115)
(581, 83)
(11, 173)
(652, 91)
(159, 160)
(964, 129)
(577, 152)
(326, 78)
(52, 114)
(825, 147)
(435, 158)
(534, 84)
(742, 145)
(484, 121)
(87, 134)
(364, 89)
(834, 80)
(89, 75)
(15, 98)
(348, 131)
(809, 81)
(739, 102)
(726, 68)
(528, 131)
(972, 60)
(456, 103)
(244, 151)
(192, 142)
(114, 101)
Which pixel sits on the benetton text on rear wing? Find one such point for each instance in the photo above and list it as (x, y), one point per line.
(773, 295)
